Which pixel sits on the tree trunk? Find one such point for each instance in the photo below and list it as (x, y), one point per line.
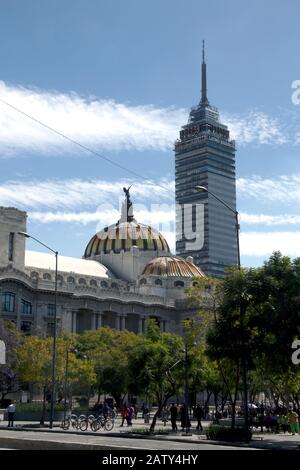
(162, 403)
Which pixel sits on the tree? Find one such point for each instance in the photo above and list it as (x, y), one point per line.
(150, 366)
(9, 382)
(109, 351)
(34, 364)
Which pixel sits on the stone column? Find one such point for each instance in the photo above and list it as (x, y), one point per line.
(118, 322)
(74, 321)
(93, 321)
(99, 320)
(142, 320)
(123, 322)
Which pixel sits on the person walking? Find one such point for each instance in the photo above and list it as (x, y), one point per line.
(174, 416)
(11, 414)
(124, 414)
(185, 419)
(199, 414)
(293, 422)
(165, 415)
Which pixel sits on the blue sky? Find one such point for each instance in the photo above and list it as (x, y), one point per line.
(120, 77)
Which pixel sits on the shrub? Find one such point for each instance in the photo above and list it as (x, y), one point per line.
(21, 407)
(226, 433)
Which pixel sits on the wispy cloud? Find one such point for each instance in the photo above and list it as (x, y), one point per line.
(77, 193)
(271, 220)
(106, 125)
(256, 127)
(265, 243)
(284, 188)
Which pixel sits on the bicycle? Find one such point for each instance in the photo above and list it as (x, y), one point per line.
(102, 422)
(85, 422)
(74, 421)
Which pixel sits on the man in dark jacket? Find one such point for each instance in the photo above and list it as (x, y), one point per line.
(173, 416)
(199, 414)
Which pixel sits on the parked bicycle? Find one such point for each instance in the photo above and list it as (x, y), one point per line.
(102, 422)
(73, 421)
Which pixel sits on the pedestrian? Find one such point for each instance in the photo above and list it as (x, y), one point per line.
(106, 410)
(199, 414)
(11, 414)
(124, 414)
(293, 422)
(174, 416)
(130, 415)
(164, 415)
(185, 419)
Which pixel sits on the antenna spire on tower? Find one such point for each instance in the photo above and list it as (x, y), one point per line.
(204, 99)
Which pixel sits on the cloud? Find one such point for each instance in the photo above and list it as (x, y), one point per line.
(155, 215)
(256, 127)
(284, 188)
(102, 124)
(77, 193)
(264, 219)
(265, 243)
(105, 125)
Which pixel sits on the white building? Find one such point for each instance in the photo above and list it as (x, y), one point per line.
(127, 275)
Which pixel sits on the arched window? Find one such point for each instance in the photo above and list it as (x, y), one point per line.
(143, 282)
(34, 275)
(47, 276)
(71, 280)
(195, 284)
(93, 283)
(179, 284)
(82, 281)
(158, 282)
(103, 284)
(114, 285)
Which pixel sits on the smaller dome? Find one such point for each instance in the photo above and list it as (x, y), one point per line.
(172, 266)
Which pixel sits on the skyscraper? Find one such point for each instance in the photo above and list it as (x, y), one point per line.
(205, 156)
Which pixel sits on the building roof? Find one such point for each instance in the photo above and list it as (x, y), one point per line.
(35, 259)
(124, 235)
(172, 266)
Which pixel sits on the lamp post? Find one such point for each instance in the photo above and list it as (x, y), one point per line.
(186, 390)
(24, 234)
(244, 368)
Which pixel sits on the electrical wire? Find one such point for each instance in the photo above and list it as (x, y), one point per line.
(84, 147)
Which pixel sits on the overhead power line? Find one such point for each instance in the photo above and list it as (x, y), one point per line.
(84, 147)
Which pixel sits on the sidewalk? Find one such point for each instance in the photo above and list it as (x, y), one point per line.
(259, 441)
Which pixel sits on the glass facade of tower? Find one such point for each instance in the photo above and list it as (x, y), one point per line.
(205, 156)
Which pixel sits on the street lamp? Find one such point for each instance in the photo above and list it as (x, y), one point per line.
(186, 391)
(244, 368)
(24, 234)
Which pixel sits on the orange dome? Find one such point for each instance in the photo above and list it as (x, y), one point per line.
(172, 266)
